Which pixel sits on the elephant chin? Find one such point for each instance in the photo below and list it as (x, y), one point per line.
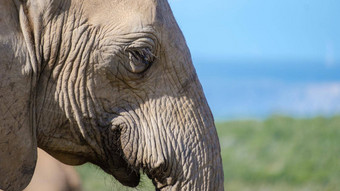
(66, 158)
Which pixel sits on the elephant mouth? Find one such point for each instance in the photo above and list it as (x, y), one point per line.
(125, 175)
(113, 161)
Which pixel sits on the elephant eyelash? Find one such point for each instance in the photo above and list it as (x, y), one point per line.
(144, 54)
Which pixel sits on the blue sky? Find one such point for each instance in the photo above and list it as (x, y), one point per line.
(261, 29)
(256, 58)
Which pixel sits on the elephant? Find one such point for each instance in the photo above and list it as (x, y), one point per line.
(109, 82)
(63, 178)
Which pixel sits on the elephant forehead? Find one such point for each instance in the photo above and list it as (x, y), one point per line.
(127, 15)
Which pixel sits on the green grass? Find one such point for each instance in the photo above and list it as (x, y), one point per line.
(280, 153)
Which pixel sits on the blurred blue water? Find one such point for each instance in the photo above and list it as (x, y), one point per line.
(258, 88)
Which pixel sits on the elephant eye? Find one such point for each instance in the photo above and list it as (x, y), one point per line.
(140, 59)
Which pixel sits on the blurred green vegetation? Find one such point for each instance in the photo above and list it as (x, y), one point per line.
(279, 153)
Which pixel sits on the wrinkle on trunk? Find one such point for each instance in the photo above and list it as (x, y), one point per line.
(175, 143)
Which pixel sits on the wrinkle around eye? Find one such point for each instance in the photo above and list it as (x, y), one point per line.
(143, 42)
(132, 53)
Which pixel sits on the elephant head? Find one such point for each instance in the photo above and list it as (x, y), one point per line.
(109, 82)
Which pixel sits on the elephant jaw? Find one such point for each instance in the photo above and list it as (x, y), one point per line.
(120, 171)
(66, 158)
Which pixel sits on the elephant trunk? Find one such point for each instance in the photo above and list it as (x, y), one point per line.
(199, 164)
(176, 143)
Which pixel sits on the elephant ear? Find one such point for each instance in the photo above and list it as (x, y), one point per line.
(17, 133)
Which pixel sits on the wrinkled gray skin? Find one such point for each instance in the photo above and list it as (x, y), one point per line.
(109, 82)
